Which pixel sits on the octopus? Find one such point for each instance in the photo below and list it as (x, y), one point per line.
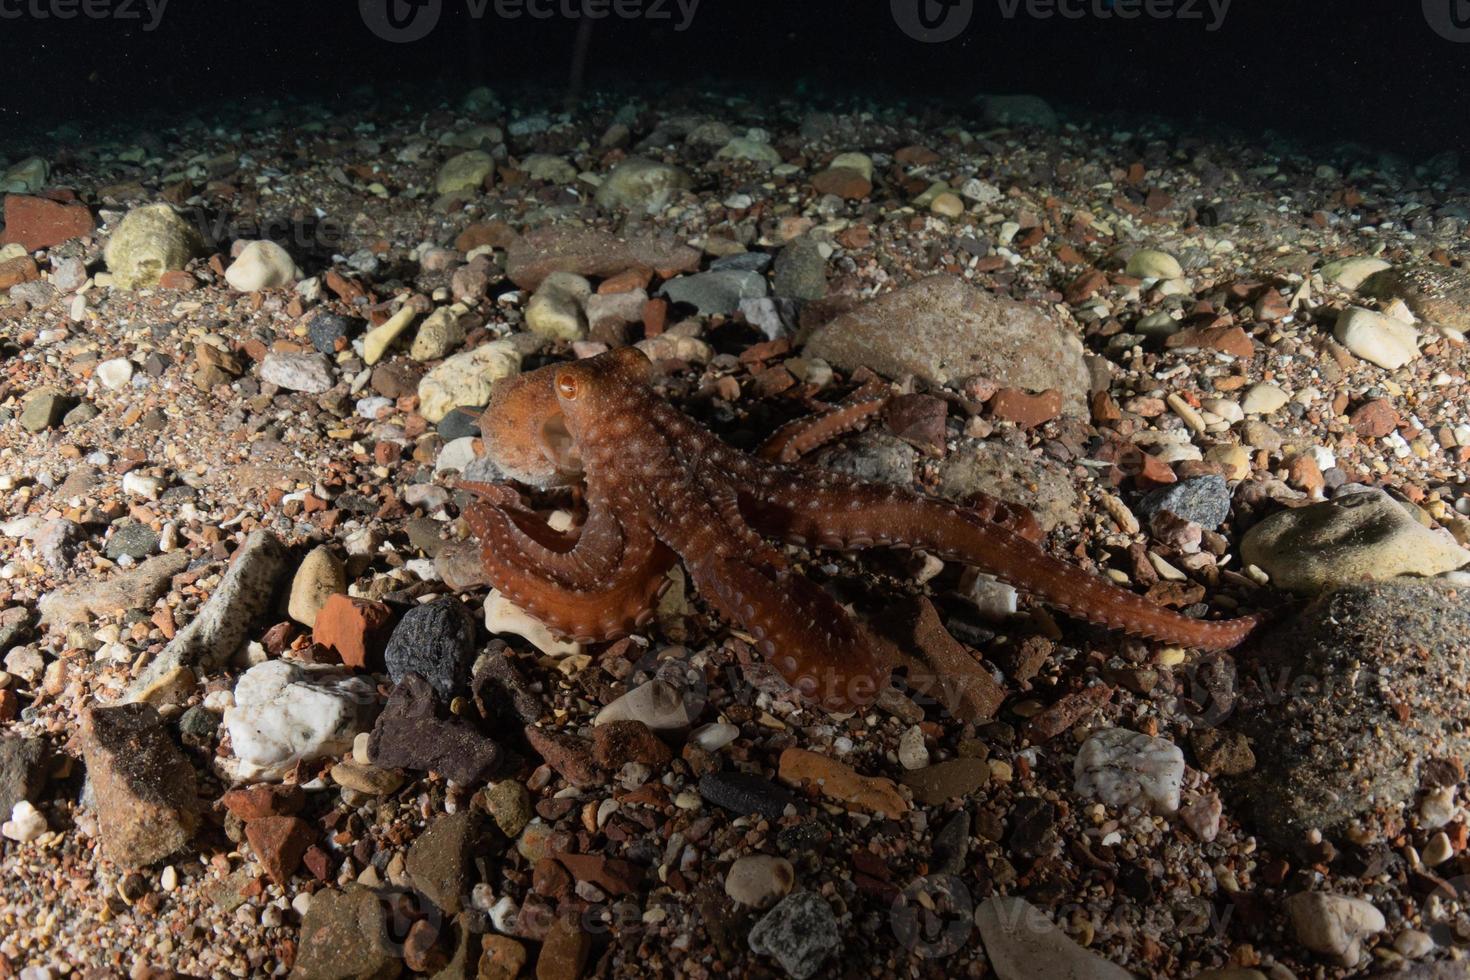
(661, 489)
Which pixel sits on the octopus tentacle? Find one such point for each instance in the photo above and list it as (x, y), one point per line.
(800, 436)
(565, 591)
(830, 511)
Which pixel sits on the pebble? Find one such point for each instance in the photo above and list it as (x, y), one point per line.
(377, 340)
(755, 151)
(555, 311)
(26, 823)
(912, 752)
(436, 641)
(440, 860)
(1376, 338)
(503, 617)
(800, 271)
(43, 409)
(440, 333)
(1413, 944)
(549, 168)
(356, 630)
(800, 932)
(1352, 272)
(409, 734)
(951, 780)
(148, 242)
(1124, 768)
(659, 704)
(947, 204)
(841, 783)
(714, 736)
(284, 714)
(509, 805)
(23, 770)
(759, 880)
(465, 379)
(26, 177)
(464, 173)
(745, 794)
(1354, 537)
(716, 293)
(326, 329)
(320, 575)
(1334, 925)
(308, 372)
(637, 184)
(348, 937)
(1264, 399)
(115, 374)
(133, 539)
(1024, 944)
(1148, 263)
(262, 265)
(1203, 500)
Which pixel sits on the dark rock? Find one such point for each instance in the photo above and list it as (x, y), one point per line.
(458, 424)
(23, 764)
(133, 539)
(1355, 700)
(440, 862)
(504, 698)
(43, 409)
(800, 932)
(801, 271)
(142, 786)
(1203, 500)
(435, 641)
(952, 844)
(620, 742)
(199, 727)
(568, 754)
(746, 794)
(1032, 822)
(409, 734)
(326, 329)
(1222, 753)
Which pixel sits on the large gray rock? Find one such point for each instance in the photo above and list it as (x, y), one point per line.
(1350, 702)
(944, 330)
(1024, 944)
(1435, 293)
(22, 770)
(344, 936)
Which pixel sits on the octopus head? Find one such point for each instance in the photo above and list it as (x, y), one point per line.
(533, 423)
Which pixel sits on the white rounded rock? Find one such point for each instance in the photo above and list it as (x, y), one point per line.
(1150, 263)
(116, 373)
(262, 265)
(1333, 925)
(759, 880)
(1124, 768)
(284, 713)
(1376, 338)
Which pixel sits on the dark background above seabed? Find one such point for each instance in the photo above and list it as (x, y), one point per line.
(1369, 71)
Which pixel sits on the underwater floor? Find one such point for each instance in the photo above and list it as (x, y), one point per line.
(266, 708)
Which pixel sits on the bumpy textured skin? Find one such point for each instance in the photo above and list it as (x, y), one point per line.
(660, 488)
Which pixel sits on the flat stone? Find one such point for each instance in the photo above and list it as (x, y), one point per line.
(840, 782)
(440, 861)
(133, 590)
(590, 252)
(36, 223)
(1434, 293)
(747, 794)
(955, 779)
(308, 372)
(1023, 943)
(715, 293)
(565, 951)
(465, 173)
(345, 935)
(951, 331)
(409, 734)
(279, 844)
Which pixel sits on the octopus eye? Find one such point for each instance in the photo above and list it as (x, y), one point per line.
(566, 386)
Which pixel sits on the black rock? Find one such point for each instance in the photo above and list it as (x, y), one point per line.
(505, 700)
(198, 727)
(410, 734)
(952, 844)
(746, 794)
(1204, 500)
(1032, 822)
(326, 329)
(458, 424)
(437, 641)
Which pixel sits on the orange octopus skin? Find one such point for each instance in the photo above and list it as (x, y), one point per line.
(660, 488)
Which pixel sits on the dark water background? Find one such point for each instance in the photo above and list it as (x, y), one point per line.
(1370, 71)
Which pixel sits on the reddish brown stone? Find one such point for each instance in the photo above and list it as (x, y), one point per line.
(355, 629)
(1025, 409)
(264, 800)
(501, 958)
(1230, 340)
(919, 421)
(550, 879)
(567, 754)
(637, 277)
(421, 950)
(915, 156)
(9, 705)
(1085, 286)
(1067, 712)
(1303, 473)
(318, 862)
(612, 875)
(279, 844)
(1375, 419)
(620, 742)
(496, 234)
(655, 316)
(37, 223)
(843, 182)
(18, 270)
(564, 951)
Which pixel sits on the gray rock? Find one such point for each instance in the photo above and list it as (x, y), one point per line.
(311, 373)
(440, 861)
(1024, 944)
(1355, 537)
(713, 293)
(1355, 696)
(437, 642)
(22, 770)
(1013, 475)
(245, 593)
(134, 590)
(801, 271)
(800, 932)
(326, 329)
(743, 262)
(134, 539)
(1205, 500)
(874, 457)
(642, 185)
(143, 788)
(43, 409)
(944, 330)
